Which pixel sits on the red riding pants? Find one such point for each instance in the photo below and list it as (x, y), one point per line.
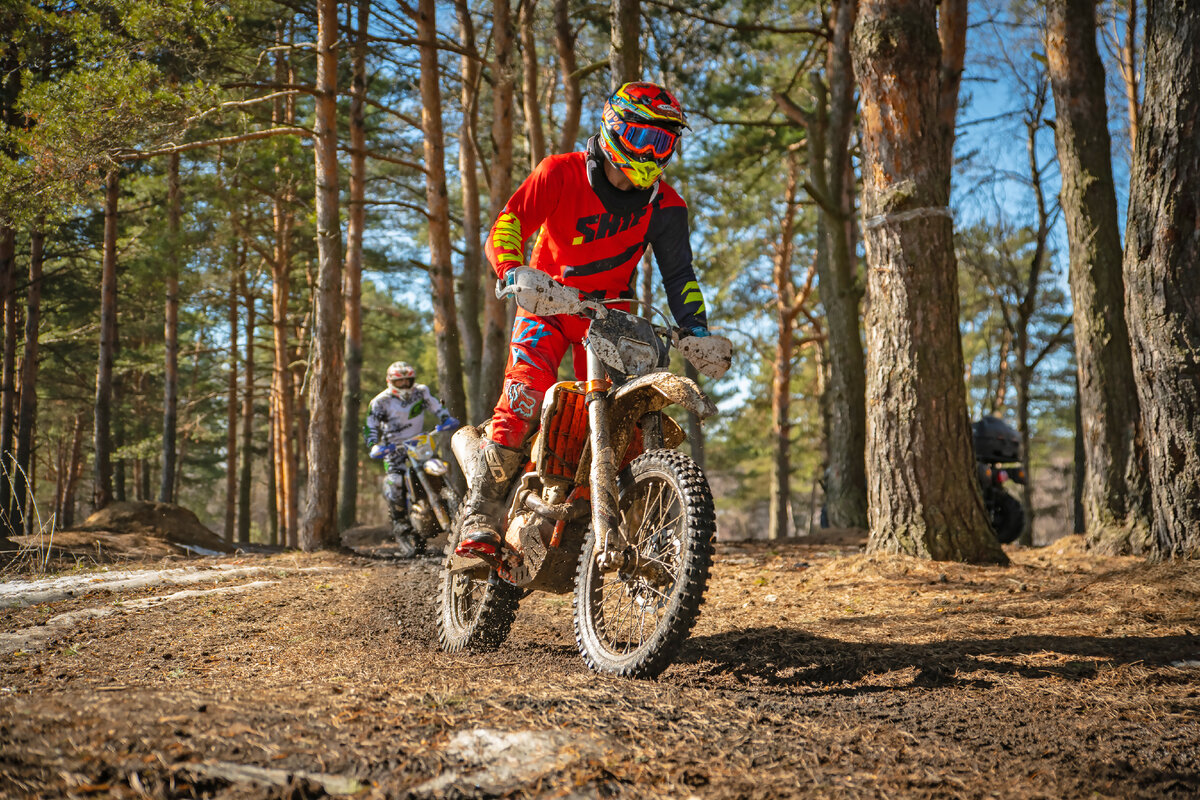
(535, 350)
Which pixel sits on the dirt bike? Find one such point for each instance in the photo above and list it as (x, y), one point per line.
(432, 503)
(996, 445)
(606, 507)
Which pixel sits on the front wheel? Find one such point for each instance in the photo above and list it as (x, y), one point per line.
(632, 620)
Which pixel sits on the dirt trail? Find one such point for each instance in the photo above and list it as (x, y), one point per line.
(812, 672)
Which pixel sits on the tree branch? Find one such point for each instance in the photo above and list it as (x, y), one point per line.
(738, 26)
(138, 155)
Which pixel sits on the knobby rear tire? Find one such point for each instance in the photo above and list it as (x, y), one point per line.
(474, 613)
(667, 496)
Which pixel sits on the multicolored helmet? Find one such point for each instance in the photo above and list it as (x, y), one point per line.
(401, 376)
(639, 130)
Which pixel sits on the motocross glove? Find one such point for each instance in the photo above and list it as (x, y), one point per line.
(448, 424)
(378, 451)
(699, 332)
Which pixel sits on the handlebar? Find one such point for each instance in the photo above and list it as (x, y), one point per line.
(539, 294)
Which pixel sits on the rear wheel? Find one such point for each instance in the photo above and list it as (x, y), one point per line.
(475, 608)
(631, 621)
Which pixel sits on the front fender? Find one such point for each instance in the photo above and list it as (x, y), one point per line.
(655, 392)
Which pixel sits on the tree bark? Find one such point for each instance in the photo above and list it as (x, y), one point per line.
(1115, 494)
(8, 275)
(495, 330)
(171, 334)
(8, 378)
(356, 222)
(625, 52)
(66, 515)
(1129, 74)
(102, 472)
(232, 401)
(534, 131)
(841, 290)
(441, 273)
(923, 496)
(781, 374)
(564, 43)
(471, 296)
(283, 403)
(27, 416)
(245, 478)
(1162, 279)
(318, 527)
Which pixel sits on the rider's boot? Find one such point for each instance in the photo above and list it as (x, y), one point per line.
(494, 470)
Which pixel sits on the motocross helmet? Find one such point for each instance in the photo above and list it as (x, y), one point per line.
(639, 130)
(401, 378)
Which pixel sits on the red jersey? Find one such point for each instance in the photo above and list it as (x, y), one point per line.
(593, 235)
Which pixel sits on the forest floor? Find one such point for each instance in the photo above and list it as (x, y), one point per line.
(814, 671)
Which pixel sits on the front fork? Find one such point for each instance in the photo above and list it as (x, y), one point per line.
(435, 499)
(603, 472)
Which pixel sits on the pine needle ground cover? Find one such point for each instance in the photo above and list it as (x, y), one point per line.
(815, 671)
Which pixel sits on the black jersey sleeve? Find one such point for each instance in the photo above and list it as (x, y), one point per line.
(668, 237)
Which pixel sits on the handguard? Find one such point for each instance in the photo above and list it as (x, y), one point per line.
(541, 295)
(710, 355)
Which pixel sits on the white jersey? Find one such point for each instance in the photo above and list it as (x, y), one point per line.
(391, 420)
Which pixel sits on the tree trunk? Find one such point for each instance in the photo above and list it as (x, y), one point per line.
(1162, 294)
(102, 492)
(232, 401)
(8, 378)
(171, 334)
(471, 299)
(245, 479)
(534, 131)
(1115, 495)
(564, 43)
(695, 425)
(318, 528)
(66, 519)
(356, 222)
(1129, 74)
(441, 275)
(781, 374)
(283, 402)
(27, 419)
(841, 291)
(272, 497)
(625, 52)
(495, 330)
(923, 496)
(8, 274)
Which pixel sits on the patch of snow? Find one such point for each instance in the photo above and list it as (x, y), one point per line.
(34, 637)
(48, 590)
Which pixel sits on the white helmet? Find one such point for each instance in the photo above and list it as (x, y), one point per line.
(400, 378)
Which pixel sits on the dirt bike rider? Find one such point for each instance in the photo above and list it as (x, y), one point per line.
(395, 415)
(597, 211)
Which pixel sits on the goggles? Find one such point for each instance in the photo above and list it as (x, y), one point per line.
(646, 141)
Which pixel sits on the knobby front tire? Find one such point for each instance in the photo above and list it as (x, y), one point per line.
(633, 624)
